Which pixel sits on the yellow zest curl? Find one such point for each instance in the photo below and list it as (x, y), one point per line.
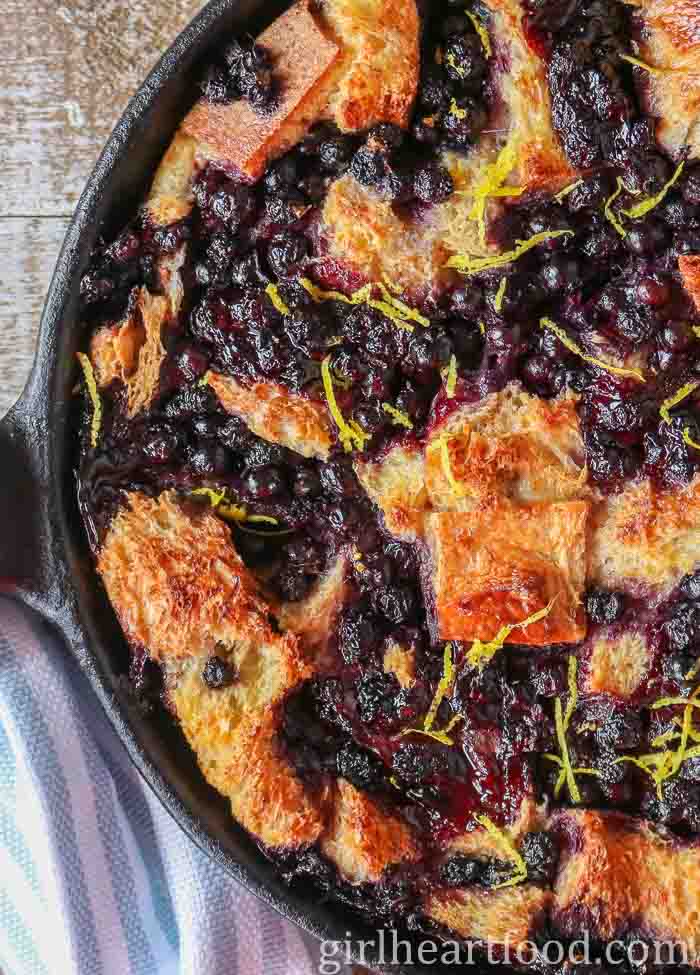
(562, 194)
(562, 720)
(451, 380)
(577, 350)
(272, 292)
(396, 310)
(458, 70)
(456, 110)
(480, 653)
(642, 64)
(491, 185)
(350, 435)
(509, 850)
(472, 265)
(448, 675)
(482, 32)
(94, 395)
(443, 442)
(401, 419)
(608, 211)
(644, 206)
(674, 400)
(500, 294)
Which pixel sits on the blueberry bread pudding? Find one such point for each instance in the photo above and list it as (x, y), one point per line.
(389, 457)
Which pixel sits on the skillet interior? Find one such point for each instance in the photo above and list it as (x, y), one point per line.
(44, 559)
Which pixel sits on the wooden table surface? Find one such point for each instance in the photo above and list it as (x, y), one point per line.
(68, 70)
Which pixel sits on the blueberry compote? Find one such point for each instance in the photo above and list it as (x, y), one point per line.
(610, 283)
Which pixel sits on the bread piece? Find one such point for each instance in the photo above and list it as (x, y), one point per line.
(362, 230)
(671, 42)
(646, 535)
(401, 663)
(620, 871)
(380, 61)
(689, 266)
(132, 350)
(170, 197)
(478, 842)
(618, 664)
(504, 565)
(541, 163)
(313, 619)
(304, 60)
(176, 581)
(510, 444)
(396, 485)
(363, 840)
(277, 415)
(509, 916)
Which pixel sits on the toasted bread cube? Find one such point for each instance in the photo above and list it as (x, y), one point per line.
(380, 65)
(499, 918)
(396, 484)
(170, 197)
(277, 415)
(619, 870)
(689, 266)
(499, 568)
(646, 535)
(313, 619)
(304, 58)
(671, 42)
(618, 664)
(362, 839)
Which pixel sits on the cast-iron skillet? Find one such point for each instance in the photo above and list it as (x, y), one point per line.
(44, 559)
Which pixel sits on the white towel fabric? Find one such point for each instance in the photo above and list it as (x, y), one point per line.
(95, 877)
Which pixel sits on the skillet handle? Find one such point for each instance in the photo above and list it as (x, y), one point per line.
(25, 563)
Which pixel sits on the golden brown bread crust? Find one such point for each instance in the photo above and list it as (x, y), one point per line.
(313, 619)
(620, 870)
(132, 350)
(170, 196)
(689, 266)
(671, 42)
(645, 535)
(505, 565)
(380, 61)
(304, 61)
(396, 484)
(508, 916)
(541, 163)
(363, 840)
(181, 591)
(277, 415)
(176, 581)
(618, 664)
(511, 444)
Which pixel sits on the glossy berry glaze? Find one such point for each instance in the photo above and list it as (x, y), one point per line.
(624, 292)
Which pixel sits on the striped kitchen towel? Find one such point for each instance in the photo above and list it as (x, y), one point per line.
(95, 877)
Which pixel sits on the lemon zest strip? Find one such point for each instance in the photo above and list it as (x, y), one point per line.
(215, 497)
(481, 30)
(272, 292)
(447, 465)
(400, 418)
(674, 400)
(94, 395)
(451, 380)
(347, 436)
(608, 211)
(500, 294)
(644, 206)
(458, 69)
(562, 194)
(472, 265)
(448, 673)
(491, 184)
(480, 653)
(456, 110)
(562, 720)
(577, 350)
(508, 848)
(643, 64)
(687, 439)
(405, 310)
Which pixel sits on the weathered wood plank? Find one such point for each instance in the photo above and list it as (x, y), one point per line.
(67, 72)
(28, 252)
